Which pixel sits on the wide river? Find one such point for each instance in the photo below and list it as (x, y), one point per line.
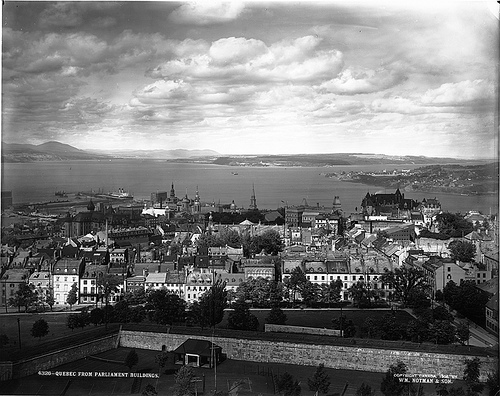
(274, 186)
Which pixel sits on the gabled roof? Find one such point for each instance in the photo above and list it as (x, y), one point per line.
(490, 286)
(197, 347)
(493, 303)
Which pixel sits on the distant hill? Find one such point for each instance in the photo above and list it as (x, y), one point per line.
(162, 154)
(49, 151)
(336, 159)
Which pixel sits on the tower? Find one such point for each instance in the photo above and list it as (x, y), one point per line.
(337, 207)
(253, 200)
(197, 202)
(172, 194)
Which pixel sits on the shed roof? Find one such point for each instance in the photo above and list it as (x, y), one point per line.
(197, 347)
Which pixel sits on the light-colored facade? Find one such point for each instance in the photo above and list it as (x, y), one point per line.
(66, 273)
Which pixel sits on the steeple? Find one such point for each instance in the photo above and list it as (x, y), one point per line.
(253, 200)
(172, 192)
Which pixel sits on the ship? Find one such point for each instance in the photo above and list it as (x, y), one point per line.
(61, 194)
(120, 194)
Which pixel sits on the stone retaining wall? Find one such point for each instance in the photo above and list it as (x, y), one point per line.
(23, 368)
(339, 357)
(299, 329)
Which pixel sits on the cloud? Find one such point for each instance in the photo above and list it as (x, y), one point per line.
(459, 94)
(354, 81)
(75, 14)
(206, 13)
(251, 60)
(61, 15)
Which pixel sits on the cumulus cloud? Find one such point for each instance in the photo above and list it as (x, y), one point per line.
(251, 60)
(359, 81)
(459, 94)
(205, 13)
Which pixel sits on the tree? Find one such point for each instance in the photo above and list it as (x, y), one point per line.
(361, 294)
(463, 333)
(165, 307)
(443, 332)
(492, 383)
(212, 304)
(453, 225)
(25, 296)
(241, 318)
(276, 316)
(391, 385)
(346, 327)
(72, 297)
(132, 359)
(320, 381)
(96, 316)
(330, 293)
(72, 321)
(467, 299)
(295, 282)
(149, 390)
(462, 250)
(270, 241)
(49, 299)
(162, 359)
(287, 385)
(40, 328)
(404, 281)
(365, 390)
(184, 385)
(471, 376)
(310, 292)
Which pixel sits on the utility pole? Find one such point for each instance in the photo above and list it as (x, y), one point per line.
(19, 331)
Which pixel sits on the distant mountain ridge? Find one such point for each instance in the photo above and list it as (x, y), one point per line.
(49, 151)
(56, 151)
(161, 154)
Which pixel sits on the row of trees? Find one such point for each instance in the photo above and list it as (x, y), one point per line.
(466, 299)
(269, 241)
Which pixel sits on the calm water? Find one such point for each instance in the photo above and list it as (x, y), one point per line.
(32, 182)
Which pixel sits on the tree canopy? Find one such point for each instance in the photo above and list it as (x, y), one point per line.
(72, 297)
(40, 328)
(462, 250)
(241, 318)
(453, 225)
(212, 304)
(165, 307)
(405, 281)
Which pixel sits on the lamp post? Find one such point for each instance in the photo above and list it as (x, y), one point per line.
(19, 331)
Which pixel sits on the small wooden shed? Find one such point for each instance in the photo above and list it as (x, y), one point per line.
(198, 353)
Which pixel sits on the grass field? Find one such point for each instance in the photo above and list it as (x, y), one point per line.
(322, 318)
(256, 378)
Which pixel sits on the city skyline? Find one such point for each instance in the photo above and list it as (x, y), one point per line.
(254, 77)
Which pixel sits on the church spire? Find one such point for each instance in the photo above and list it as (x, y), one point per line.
(253, 200)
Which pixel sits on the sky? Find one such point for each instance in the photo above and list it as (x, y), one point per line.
(277, 77)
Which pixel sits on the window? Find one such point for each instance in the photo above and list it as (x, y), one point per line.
(65, 279)
(449, 269)
(353, 278)
(84, 282)
(315, 277)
